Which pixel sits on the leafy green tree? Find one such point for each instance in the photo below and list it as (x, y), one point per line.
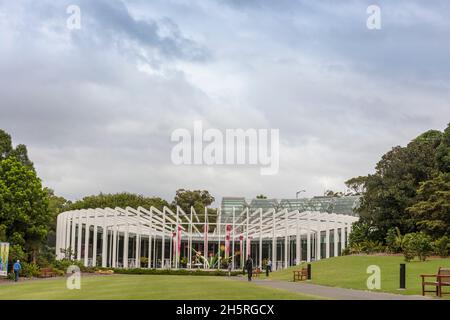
(7, 150)
(417, 244)
(432, 211)
(23, 206)
(441, 246)
(394, 240)
(261, 196)
(122, 200)
(443, 152)
(5, 144)
(393, 187)
(199, 199)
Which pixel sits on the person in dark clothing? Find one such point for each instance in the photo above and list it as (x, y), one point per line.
(249, 268)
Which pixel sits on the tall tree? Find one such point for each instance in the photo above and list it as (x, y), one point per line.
(199, 199)
(393, 188)
(432, 212)
(7, 150)
(123, 200)
(23, 206)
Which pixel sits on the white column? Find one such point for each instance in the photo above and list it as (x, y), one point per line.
(163, 239)
(318, 239)
(298, 248)
(68, 231)
(232, 243)
(286, 243)
(336, 237)
(178, 254)
(105, 240)
(138, 241)
(58, 237)
(327, 237)
(260, 238)
(86, 240)
(94, 242)
(342, 237)
(190, 240)
(80, 227)
(170, 247)
(308, 240)
(274, 243)
(114, 244)
(150, 236)
(349, 226)
(72, 241)
(219, 227)
(126, 241)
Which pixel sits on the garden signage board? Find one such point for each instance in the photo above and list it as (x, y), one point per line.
(4, 252)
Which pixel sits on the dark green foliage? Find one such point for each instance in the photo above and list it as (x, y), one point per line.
(417, 244)
(122, 200)
(23, 206)
(442, 246)
(394, 240)
(185, 272)
(409, 191)
(432, 211)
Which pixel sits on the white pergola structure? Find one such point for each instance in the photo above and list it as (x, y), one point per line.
(119, 238)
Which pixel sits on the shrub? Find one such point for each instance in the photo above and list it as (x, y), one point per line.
(30, 270)
(144, 262)
(174, 272)
(394, 240)
(417, 244)
(441, 246)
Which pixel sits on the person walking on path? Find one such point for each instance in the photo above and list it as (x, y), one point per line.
(249, 268)
(17, 267)
(268, 267)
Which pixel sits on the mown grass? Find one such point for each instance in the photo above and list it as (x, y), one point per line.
(139, 287)
(351, 272)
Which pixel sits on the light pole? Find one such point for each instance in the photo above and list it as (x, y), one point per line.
(298, 192)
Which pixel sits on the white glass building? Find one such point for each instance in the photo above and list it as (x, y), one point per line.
(286, 232)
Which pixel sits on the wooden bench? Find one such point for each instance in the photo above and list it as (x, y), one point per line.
(256, 273)
(47, 273)
(442, 280)
(301, 274)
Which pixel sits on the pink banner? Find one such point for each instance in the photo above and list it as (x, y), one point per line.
(227, 241)
(205, 244)
(249, 247)
(179, 242)
(241, 239)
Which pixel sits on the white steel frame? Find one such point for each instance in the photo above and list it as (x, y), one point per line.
(251, 230)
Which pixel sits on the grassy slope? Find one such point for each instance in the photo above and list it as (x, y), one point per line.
(144, 287)
(350, 272)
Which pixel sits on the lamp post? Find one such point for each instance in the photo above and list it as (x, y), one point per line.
(298, 192)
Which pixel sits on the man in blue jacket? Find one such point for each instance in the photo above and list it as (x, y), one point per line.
(17, 267)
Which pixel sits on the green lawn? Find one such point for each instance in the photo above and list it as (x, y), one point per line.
(350, 272)
(144, 287)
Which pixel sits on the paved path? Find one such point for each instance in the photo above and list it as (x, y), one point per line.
(331, 292)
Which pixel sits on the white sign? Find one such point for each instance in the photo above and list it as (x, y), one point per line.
(4, 252)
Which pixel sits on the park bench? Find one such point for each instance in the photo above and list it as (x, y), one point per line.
(256, 273)
(442, 280)
(47, 273)
(301, 274)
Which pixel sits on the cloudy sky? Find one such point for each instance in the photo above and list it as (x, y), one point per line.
(97, 106)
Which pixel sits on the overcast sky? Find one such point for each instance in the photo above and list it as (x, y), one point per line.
(97, 106)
